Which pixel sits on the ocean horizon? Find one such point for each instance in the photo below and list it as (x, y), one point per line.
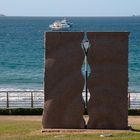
(22, 47)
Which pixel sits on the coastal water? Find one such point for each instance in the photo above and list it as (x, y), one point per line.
(22, 49)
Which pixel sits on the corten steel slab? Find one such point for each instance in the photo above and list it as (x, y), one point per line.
(108, 81)
(64, 106)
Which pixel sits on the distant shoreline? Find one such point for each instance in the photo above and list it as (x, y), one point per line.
(133, 16)
(2, 15)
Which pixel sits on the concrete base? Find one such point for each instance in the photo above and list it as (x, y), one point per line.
(92, 131)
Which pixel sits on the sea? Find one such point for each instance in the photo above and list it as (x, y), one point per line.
(22, 47)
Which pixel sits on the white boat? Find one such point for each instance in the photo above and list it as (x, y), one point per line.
(58, 25)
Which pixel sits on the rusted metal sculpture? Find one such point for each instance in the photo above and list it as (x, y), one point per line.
(64, 107)
(107, 83)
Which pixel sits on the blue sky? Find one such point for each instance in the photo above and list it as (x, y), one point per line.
(70, 7)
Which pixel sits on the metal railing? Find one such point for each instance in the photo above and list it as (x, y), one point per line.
(21, 99)
(134, 100)
(35, 99)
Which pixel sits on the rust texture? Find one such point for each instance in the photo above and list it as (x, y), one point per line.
(108, 81)
(107, 84)
(63, 86)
